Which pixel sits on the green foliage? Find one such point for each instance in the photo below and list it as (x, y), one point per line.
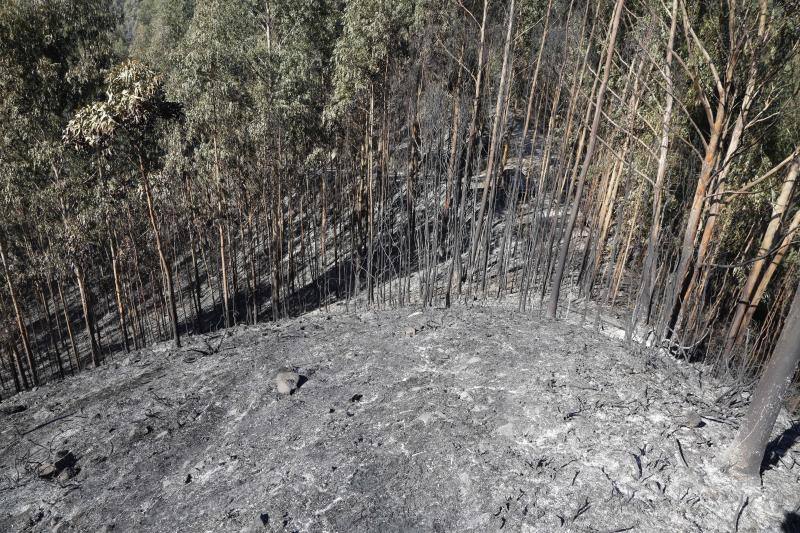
(155, 28)
(53, 58)
(134, 99)
(373, 32)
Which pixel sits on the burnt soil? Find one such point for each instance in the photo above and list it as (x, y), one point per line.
(468, 419)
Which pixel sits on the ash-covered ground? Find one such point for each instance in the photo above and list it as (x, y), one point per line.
(468, 419)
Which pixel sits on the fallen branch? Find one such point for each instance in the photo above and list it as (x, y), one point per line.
(680, 451)
(743, 501)
(40, 426)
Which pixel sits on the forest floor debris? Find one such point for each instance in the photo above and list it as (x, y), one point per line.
(482, 419)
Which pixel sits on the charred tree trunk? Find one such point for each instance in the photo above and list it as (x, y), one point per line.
(555, 290)
(23, 333)
(735, 331)
(651, 258)
(747, 450)
(166, 271)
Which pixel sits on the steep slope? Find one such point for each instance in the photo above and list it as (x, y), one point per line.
(469, 419)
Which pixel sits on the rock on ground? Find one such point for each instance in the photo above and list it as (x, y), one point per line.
(483, 419)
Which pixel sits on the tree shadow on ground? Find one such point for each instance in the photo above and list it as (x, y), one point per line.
(780, 446)
(791, 523)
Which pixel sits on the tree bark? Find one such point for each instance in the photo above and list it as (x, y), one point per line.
(488, 181)
(782, 249)
(123, 326)
(18, 315)
(746, 453)
(165, 269)
(456, 267)
(555, 290)
(651, 258)
(782, 203)
(86, 306)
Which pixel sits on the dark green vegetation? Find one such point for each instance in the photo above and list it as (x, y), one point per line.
(178, 166)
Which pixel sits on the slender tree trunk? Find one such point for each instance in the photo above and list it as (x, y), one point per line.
(15, 371)
(651, 258)
(86, 306)
(370, 198)
(196, 285)
(488, 181)
(53, 346)
(746, 453)
(781, 204)
(18, 315)
(226, 307)
(123, 325)
(555, 290)
(687, 249)
(166, 271)
(18, 364)
(69, 326)
(62, 343)
(456, 267)
(740, 126)
(763, 283)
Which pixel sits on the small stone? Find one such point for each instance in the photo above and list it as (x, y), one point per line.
(35, 517)
(58, 525)
(693, 420)
(410, 331)
(259, 523)
(286, 380)
(66, 474)
(47, 471)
